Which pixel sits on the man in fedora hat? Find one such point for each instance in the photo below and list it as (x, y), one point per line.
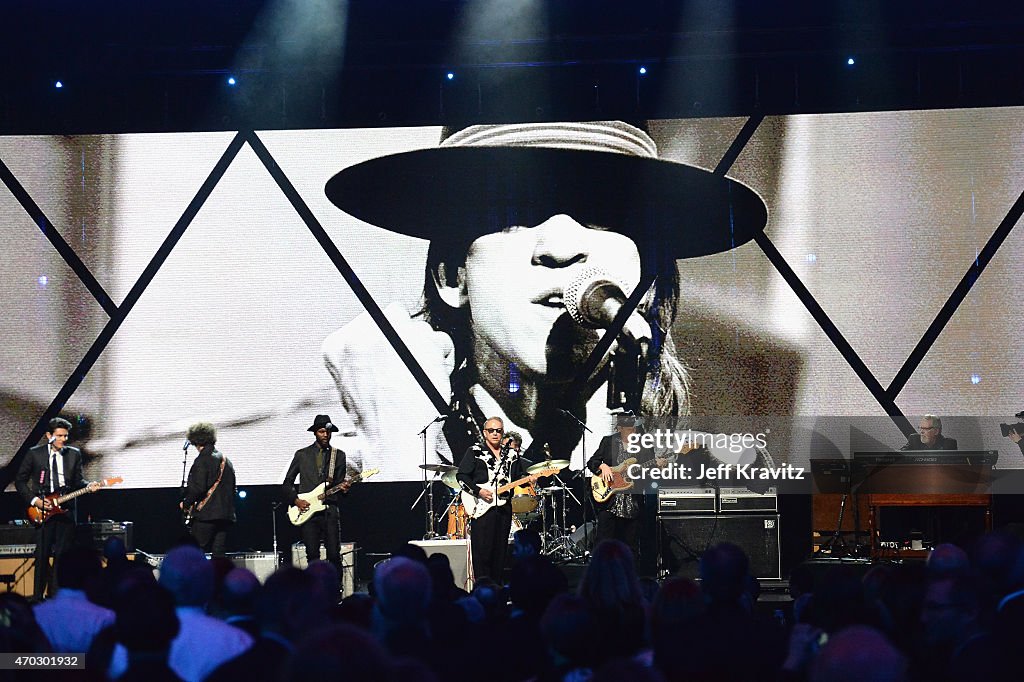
(315, 464)
(518, 216)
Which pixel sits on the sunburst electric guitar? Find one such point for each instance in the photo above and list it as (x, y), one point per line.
(39, 516)
(317, 495)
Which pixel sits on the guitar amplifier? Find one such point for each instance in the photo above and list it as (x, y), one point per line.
(744, 500)
(16, 533)
(686, 501)
(262, 564)
(683, 539)
(96, 534)
(348, 563)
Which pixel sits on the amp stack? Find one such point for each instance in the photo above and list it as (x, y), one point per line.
(691, 519)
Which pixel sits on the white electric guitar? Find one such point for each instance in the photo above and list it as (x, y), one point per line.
(477, 507)
(317, 495)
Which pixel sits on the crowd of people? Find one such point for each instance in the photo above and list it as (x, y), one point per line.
(958, 616)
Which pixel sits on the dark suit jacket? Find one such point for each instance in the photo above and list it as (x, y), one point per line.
(36, 467)
(304, 466)
(201, 478)
(914, 443)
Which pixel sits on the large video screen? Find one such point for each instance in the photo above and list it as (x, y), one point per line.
(257, 321)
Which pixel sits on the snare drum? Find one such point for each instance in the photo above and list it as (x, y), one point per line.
(457, 520)
(524, 499)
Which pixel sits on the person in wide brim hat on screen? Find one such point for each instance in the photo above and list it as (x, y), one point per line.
(515, 213)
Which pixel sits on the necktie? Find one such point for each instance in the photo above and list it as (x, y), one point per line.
(54, 474)
(320, 463)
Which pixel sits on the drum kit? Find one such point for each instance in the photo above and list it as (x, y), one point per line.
(548, 505)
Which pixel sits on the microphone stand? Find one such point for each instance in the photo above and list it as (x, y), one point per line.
(583, 467)
(428, 486)
(273, 519)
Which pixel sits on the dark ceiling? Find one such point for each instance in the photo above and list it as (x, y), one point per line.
(156, 65)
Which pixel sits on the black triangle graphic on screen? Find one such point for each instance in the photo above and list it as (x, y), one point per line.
(121, 312)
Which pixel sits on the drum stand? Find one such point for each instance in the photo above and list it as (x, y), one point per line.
(557, 543)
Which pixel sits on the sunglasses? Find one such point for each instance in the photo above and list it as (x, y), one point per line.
(494, 430)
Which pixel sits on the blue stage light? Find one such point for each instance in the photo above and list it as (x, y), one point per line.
(242, 493)
(811, 258)
(513, 378)
(231, 80)
(975, 379)
(58, 85)
(43, 280)
(643, 70)
(850, 61)
(450, 76)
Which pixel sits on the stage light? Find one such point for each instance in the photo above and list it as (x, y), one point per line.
(811, 258)
(513, 378)
(43, 280)
(58, 85)
(231, 80)
(450, 76)
(241, 493)
(643, 70)
(975, 379)
(850, 61)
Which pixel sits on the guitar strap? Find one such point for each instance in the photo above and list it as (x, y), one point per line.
(209, 493)
(330, 466)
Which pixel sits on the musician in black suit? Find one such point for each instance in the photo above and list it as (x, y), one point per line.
(53, 467)
(315, 464)
(929, 436)
(210, 492)
(493, 463)
(619, 517)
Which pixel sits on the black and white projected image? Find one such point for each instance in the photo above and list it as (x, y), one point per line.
(250, 324)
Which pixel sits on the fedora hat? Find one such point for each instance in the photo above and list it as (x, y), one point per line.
(607, 174)
(322, 421)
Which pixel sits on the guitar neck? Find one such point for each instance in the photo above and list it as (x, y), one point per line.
(70, 496)
(508, 486)
(330, 491)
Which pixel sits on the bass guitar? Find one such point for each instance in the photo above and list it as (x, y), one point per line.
(39, 516)
(477, 507)
(317, 495)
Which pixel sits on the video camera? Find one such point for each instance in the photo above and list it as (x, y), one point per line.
(1017, 428)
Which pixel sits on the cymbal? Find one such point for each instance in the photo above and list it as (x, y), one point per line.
(449, 479)
(440, 468)
(548, 464)
(551, 489)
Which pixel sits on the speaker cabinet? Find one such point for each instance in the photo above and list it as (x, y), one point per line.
(348, 563)
(683, 539)
(456, 552)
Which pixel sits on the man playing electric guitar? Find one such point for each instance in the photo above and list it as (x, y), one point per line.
(315, 464)
(619, 517)
(485, 468)
(46, 469)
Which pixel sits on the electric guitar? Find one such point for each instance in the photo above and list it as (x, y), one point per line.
(39, 516)
(317, 495)
(477, 507)
(621, 483)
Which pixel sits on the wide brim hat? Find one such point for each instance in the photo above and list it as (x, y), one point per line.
(485, 178)
(321, 421)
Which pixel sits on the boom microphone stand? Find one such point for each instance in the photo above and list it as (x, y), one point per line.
(428, 485)
(581, 475)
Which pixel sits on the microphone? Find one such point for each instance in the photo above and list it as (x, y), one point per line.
(594, 299)
(184, 448)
